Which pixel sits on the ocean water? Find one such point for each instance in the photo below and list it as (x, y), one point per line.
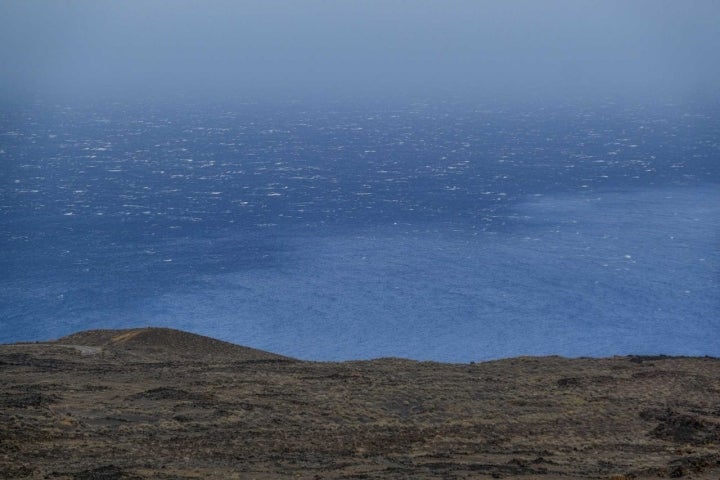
(433, 231)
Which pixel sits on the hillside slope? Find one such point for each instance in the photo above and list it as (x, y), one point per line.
(165, 343)
(164, 404)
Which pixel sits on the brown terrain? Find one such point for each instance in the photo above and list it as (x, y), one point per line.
(164, 404)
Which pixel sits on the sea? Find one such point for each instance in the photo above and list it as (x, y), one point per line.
(434, 230)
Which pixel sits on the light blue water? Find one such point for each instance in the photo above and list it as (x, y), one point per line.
(336, 232)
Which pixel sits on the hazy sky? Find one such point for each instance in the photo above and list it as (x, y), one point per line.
(350, 47)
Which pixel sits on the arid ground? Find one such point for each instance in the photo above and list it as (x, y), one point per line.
(164, 404)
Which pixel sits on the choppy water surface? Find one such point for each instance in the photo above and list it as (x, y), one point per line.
(432, 231)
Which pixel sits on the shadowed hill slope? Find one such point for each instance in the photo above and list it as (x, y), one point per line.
(165, 343)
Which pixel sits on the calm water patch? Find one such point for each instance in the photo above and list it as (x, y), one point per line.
(604, 274)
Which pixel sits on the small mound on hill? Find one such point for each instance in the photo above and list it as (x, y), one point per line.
(166, 342)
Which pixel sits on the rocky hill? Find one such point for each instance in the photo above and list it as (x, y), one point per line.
(164, 343)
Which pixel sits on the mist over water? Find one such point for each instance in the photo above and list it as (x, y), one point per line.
(266, 49)
(424, 230)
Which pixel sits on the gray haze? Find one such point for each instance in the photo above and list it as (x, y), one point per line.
(246, 48)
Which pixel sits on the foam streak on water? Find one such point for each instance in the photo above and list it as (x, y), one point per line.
(429, 232)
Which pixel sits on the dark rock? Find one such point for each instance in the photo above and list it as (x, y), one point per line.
(168, 393)
(108, 472)
(568, 382)
(681, 428)
(26, 400)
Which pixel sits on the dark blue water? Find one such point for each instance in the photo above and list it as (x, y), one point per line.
(427, 230)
